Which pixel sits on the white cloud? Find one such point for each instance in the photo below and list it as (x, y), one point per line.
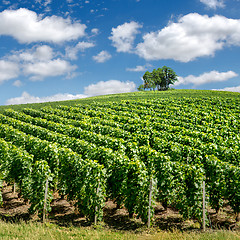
(43, 53)
(109, 87)
(192, 36)
(27, 27)
(8, 70)
(43, 2)
(229, 89)
(47, 2)
(95, 31)
(124, 35)
(52, 68)
(138, 68)
(17, 83)
(37, 53)
(71, 52)
(6, 2)
(27, 98)
(103, 56)
(84, 45)
(213, 3)
(39, 63)
(204, 78)
(101, 88)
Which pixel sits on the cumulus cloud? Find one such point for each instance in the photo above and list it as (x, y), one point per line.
(109, 87)
(8, 70)
(204, 78)
(37, 53)
(40, 62)
(53, 68)
(229, 89)
(95, 31)
(213, 3)
(123, 36)
(17, 83)
(100, 88)
(193, 36)
(138, 68)
(71, 52)
(27, 98)
(27, 27)
(103, 56)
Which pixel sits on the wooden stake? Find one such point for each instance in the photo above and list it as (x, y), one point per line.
(204, 210)
(45, 202)
(96, 208)
(14, 187)
(150, 203)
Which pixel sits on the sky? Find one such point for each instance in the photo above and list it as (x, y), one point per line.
(52, 50)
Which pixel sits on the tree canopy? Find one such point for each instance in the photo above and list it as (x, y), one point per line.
(159, 78)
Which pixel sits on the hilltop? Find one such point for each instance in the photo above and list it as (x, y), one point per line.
(131, 96)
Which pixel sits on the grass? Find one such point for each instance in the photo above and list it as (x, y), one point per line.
(38, 231)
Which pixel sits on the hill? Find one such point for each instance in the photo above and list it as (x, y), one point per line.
(145, 152)
(133, 96)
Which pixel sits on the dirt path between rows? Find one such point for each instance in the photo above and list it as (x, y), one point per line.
(64, 213)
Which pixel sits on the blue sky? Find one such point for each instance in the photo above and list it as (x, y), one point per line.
(58, 50)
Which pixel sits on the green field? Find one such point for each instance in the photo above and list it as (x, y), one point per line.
(131, 96)
(23, 231)
(139, 150)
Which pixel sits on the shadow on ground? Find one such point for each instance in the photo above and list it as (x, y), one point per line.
(63, 213)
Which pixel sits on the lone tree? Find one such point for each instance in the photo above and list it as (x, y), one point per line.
(159, 78)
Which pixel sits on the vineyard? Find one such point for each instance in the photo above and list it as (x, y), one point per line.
(135, 152)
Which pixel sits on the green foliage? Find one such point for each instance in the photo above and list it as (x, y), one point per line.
(189, 200)
(232, 179)
(41, 172)
(99, 149)
(159, 78)
(16, 165)
(141, 87)
(149, 81)
(215, 181)
(82, 178)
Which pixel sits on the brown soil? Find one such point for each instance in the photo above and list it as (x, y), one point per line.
(13, 208)
(64, 213)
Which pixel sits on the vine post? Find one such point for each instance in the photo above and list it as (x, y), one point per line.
(14, 187)
(96, 208)
(150, 203)
(204, 209)
(45, 202)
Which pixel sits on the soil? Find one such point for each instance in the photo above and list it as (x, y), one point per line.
(63, 213)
